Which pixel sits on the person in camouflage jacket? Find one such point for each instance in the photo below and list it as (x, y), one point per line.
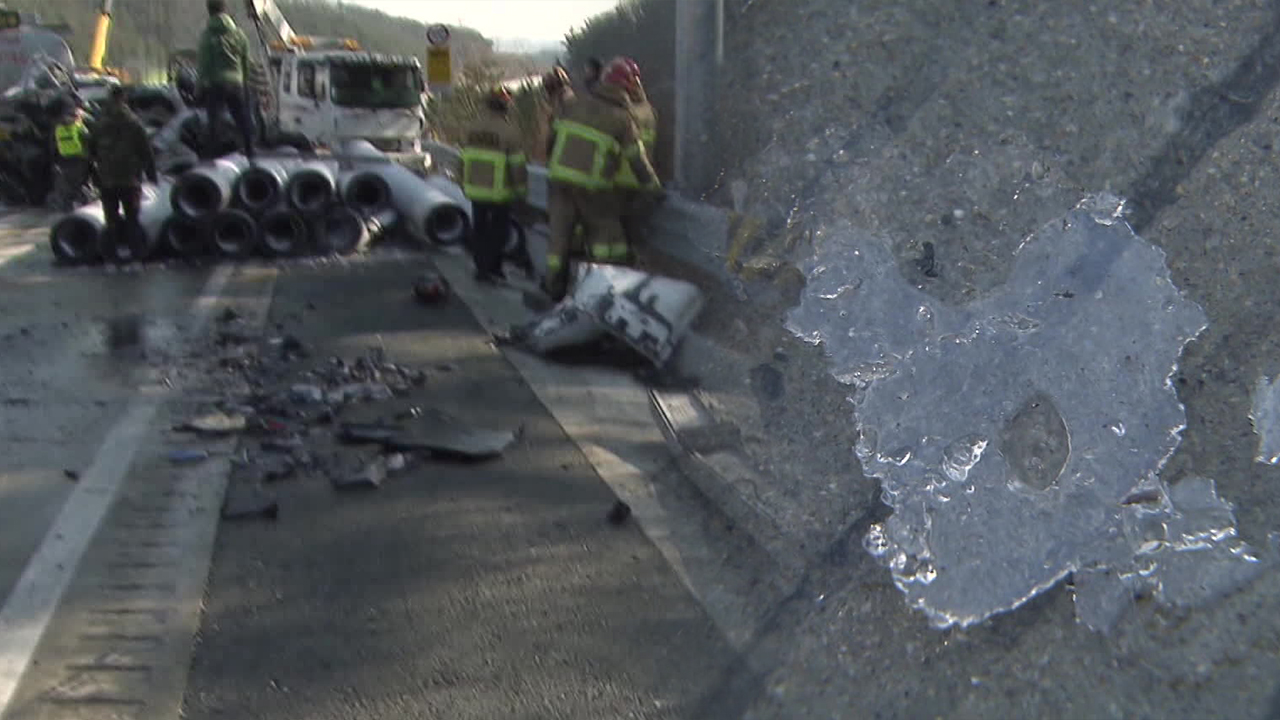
(121, 154)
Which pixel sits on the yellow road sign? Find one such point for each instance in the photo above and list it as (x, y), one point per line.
(439, 66)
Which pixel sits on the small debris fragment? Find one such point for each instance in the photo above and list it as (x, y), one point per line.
(619, 513)
(282, 445)
(396, 462)
(306, 394)
(928, 261)
(228, 315)
(71, 474)
(215, 424)
(447, 437)
(249, 503)
(361, 433)
(291, 345)
(430, 288)
(188, 457)
(369, 478)
(278, 469)
(768, 381)
(122, 332)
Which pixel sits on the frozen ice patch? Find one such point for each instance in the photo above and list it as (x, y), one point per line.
(1019, 438)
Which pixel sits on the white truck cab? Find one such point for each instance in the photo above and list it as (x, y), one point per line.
(334, 96)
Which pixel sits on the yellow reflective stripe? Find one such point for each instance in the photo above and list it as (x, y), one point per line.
(649, 138)
(497, 191)
(605, 145)
(70, 139)
(601, 251)
(554, 263)
(619, 251)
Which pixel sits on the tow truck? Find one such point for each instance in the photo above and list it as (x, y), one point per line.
(330, 90)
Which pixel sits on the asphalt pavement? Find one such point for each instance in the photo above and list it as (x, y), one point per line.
(494, 589)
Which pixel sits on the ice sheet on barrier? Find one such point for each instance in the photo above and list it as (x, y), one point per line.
(1019, 438)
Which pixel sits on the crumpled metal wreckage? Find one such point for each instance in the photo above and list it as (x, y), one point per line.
(648, 312)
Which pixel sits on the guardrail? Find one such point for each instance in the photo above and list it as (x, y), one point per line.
(688, 231)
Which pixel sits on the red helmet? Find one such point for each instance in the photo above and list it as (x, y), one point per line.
(500, 98)
(622, 72)
(555, 80)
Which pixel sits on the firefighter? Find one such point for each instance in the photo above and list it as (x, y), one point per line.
(494, 175)
(70, 146)
(121, 154)
(224, 65)
(559, 92)
(637, 202)
(593, 136)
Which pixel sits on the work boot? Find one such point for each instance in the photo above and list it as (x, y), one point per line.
(556, 286)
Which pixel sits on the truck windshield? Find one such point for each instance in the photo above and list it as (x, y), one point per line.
(375, 86)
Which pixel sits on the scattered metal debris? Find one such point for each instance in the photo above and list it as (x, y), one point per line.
(431, 288)
(248, 503)
(368, 477)
(447, 437)
(215, 424)
(188, 457)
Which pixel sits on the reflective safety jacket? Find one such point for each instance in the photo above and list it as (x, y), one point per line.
(647, 123)
(493, 161)
(592, 137)
(72, 139)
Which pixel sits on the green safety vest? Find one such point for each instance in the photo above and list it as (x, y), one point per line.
(485, 173)
(70, 137)
(603, 148)
(626, 177)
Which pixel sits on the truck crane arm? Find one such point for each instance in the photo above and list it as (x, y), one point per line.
(267, 13)
(98, 51)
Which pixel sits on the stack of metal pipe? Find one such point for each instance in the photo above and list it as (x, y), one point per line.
(277, 205)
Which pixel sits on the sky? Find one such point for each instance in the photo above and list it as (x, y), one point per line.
(514, 24)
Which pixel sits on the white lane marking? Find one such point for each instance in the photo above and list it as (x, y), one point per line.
(11, 252)
(30, 607)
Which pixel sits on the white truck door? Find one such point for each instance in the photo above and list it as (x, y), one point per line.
(300, 98)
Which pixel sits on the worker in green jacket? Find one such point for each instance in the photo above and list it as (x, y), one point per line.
(71, 148)
(224, 63)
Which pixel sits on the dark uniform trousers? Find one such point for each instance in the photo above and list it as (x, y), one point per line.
(114, 199)
(490, 235)
(234, 99)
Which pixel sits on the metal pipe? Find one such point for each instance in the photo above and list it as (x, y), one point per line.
(74, 237)
(142, 243)
(206, 189)
(312, 186)
(235, 233)
(346, 231)
(261, 185)
(431, 209)
(283, 231)
(185, 237)
(363, 191)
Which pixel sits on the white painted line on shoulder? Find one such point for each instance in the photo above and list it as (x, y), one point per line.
(34, 599)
